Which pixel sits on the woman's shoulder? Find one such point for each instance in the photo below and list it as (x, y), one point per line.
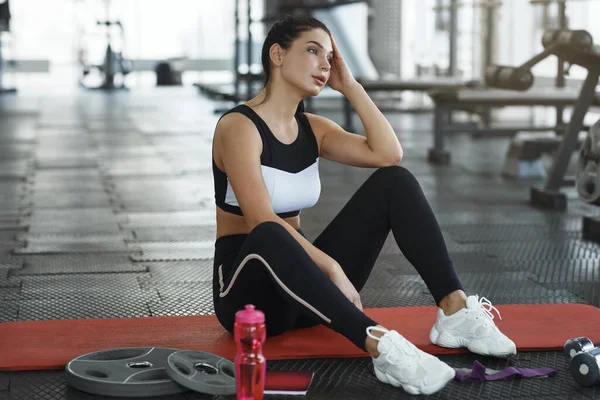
(239, 109)
(233, 124)
(238, 116)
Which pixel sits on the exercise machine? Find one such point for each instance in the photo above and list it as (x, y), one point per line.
(587, 180)
(401, 85)
(574, 46)
(114, 64)
(560, 70)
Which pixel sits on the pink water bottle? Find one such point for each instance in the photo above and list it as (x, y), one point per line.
(250, 364)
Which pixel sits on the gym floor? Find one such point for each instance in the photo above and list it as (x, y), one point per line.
(107, 211)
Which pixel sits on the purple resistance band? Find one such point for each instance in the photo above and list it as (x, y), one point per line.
(478, 374)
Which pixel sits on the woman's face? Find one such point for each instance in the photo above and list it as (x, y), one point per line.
(307, 63)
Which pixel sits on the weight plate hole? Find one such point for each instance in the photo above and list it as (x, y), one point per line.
(141, 364)
(206, 368)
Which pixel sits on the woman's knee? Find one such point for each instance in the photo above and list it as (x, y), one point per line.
(268, 228)
(396, 176)
(268, 236)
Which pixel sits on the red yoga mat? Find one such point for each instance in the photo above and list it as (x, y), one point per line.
(41, 345)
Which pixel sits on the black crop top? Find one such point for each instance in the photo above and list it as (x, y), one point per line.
(290, 172)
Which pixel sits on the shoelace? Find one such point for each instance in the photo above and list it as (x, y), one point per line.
(488, 311)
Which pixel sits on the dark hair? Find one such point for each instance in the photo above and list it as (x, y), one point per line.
(283, 32)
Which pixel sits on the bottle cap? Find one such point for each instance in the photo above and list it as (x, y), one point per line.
(250, 315)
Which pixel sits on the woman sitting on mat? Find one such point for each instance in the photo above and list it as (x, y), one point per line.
(265, 165)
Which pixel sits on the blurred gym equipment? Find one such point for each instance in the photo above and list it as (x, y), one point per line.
(4, 28)
(574, 46)
(114, 64)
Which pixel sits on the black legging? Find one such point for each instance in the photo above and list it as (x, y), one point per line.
(269, 268)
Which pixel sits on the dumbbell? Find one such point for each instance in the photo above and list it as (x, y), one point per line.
(576, 345)
(505, 77)
(584, 360)
(579, 39)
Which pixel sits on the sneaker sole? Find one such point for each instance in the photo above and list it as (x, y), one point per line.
(446, 339)
(430, 389)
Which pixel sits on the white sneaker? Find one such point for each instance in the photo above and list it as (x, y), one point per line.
(474, 328)
(401, 363)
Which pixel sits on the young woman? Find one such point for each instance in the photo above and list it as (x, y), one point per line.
(265, 164)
